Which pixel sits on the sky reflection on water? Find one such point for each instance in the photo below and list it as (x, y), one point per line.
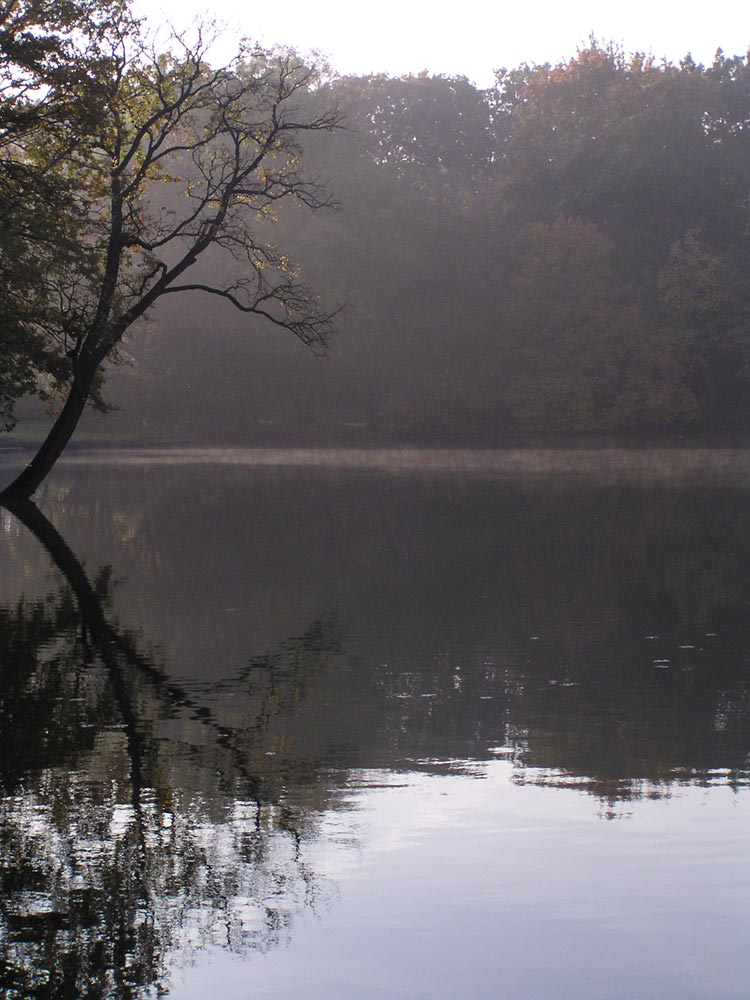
(479, 888)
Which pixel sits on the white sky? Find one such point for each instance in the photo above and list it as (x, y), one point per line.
(473, 37)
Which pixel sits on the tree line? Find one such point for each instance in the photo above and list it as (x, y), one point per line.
(564, 252)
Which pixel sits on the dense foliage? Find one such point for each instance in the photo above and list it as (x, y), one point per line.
(567, 251)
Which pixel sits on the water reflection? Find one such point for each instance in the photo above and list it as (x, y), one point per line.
(171, 756)
(134, 822)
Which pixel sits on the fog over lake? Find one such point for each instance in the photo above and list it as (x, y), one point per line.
(378, 724)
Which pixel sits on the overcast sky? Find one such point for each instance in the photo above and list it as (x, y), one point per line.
(472, 37)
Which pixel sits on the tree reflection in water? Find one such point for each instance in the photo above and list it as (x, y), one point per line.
(133, 822)
(142, 818)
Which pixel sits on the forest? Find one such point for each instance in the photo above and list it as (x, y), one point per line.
(565, 253)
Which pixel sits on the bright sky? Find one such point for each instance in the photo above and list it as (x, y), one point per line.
(473, 37)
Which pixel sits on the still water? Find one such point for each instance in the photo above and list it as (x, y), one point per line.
(395, 725)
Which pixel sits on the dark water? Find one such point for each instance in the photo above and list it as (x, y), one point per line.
(279, 726)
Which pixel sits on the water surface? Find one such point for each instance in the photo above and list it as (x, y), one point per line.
(387, 725)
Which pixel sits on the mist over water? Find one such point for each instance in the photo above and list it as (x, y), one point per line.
(688, 464)
(378, 724)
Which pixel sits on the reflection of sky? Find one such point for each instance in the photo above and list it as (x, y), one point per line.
(484, 889)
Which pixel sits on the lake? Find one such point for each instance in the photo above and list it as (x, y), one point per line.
(389, 724)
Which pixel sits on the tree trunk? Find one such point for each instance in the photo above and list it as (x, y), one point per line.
(61, 432)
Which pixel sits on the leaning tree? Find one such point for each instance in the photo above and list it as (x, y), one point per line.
(122, 163)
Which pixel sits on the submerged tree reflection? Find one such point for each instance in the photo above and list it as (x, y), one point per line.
(134, 821)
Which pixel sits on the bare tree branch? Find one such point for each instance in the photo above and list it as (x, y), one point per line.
(167, 160)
